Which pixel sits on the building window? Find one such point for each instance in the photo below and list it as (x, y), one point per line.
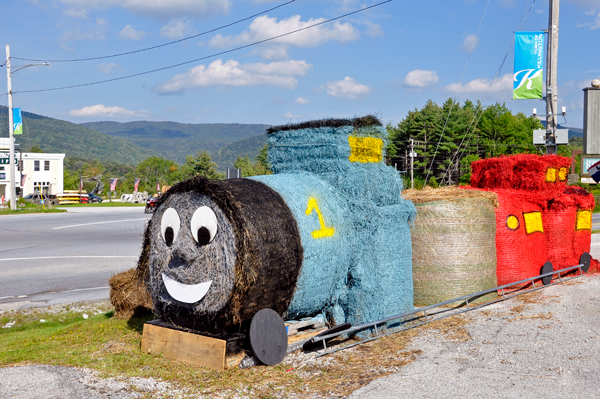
(46, 165)
(36, 166)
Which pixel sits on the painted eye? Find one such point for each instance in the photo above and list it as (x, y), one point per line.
(169, 226)
(204, 225)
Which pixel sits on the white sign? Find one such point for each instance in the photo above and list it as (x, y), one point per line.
(587, 180)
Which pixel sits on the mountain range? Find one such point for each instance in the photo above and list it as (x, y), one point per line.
(132, 142)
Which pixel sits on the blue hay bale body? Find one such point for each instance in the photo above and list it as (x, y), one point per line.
(378, 281)
(326, 259)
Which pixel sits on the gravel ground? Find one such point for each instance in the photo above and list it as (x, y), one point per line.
(544, 347)
(545, 344)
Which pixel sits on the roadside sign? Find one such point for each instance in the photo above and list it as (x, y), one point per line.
(586, 162)
(4, 158)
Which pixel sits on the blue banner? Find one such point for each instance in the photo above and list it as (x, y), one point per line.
(17, 121)
(529, 63)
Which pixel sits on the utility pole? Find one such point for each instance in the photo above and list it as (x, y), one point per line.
(11, 155)
(412, 158)
(551, 87)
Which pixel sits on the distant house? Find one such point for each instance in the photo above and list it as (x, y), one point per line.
(41, 172)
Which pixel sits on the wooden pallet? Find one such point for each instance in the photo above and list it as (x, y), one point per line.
(191, 347)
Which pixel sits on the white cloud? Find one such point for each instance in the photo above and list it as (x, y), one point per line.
(109, 67)
(301, 100)
(129, 33)
(346, 88)
(162, 9)
(503, 84)
(177, 29)
(593, 25)
(264, 27)
(100, 110)
(78, 34)
(420, 78)
(289, 115)
(373, 29)
(470, 43)
(232, 73)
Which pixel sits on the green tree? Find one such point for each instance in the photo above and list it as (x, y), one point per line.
(200, 164)
(156, 168)
(259, 167)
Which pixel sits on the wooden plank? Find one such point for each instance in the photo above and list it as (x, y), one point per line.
(186, 347)
(304, 335)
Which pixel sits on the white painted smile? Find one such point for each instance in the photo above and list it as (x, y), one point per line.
(185, 293)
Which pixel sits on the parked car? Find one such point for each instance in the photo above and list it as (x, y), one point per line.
(49, 199)
(94, 198)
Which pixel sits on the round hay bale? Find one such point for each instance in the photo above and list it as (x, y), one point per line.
(128, 294)
(218, 252)
(454, 249)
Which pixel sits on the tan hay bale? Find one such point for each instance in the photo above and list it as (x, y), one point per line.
(128, 294)
(454, 249)
(429, 194)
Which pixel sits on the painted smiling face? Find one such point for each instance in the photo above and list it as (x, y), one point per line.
(192, 260)
(215, 253)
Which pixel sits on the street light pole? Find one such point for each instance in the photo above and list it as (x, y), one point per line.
(551, 89)
(11, 155)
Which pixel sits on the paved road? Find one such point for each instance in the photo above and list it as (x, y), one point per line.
(66, 257)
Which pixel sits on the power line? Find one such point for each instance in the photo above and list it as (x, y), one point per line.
(452, 103)
(480, 111)
(160, 45)
(208, 56)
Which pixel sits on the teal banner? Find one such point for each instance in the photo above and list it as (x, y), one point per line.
(529, 62)
(17, 121)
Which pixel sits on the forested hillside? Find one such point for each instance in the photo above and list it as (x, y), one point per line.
(176, 141)
(58, 136)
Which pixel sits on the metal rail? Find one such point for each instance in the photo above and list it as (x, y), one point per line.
(429, 317)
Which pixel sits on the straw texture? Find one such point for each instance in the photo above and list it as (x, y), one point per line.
(454, 247)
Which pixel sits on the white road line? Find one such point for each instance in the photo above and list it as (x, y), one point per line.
(86, 289)
(90, 224)
(69, 257)
(6, 297)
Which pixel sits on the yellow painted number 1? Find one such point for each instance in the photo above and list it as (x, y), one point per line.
(324, 231)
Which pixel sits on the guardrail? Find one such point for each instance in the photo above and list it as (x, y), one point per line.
(425, 318)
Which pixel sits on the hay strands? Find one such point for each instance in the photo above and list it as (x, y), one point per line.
(424, 315)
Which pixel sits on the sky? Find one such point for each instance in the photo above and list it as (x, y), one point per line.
(388, 59)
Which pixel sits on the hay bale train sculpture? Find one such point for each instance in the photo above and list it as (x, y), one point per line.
(327, 233)
(540, 219)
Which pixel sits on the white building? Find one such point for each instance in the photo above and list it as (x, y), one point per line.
(41, 172)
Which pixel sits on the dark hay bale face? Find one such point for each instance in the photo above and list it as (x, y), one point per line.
(192, 261)
(217, 252)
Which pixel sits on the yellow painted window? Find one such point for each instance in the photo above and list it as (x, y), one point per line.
(365, 149)
(533, 222)
(584, 220)
(551, 175)
(562, 174)
(512, 222)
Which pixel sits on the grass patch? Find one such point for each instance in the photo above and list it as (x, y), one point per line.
(111, 346)
(30, 208)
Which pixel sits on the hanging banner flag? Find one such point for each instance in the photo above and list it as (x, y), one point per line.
(113, 184)
(23, 178)
(157, 185)
(80, 184)
(17, 121)
(529, 62)
(136, 183)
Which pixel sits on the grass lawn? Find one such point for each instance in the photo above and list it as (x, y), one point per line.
(91, 337)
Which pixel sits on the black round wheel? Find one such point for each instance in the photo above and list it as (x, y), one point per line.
(547, 268)
(586, 261)
(268, 337)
